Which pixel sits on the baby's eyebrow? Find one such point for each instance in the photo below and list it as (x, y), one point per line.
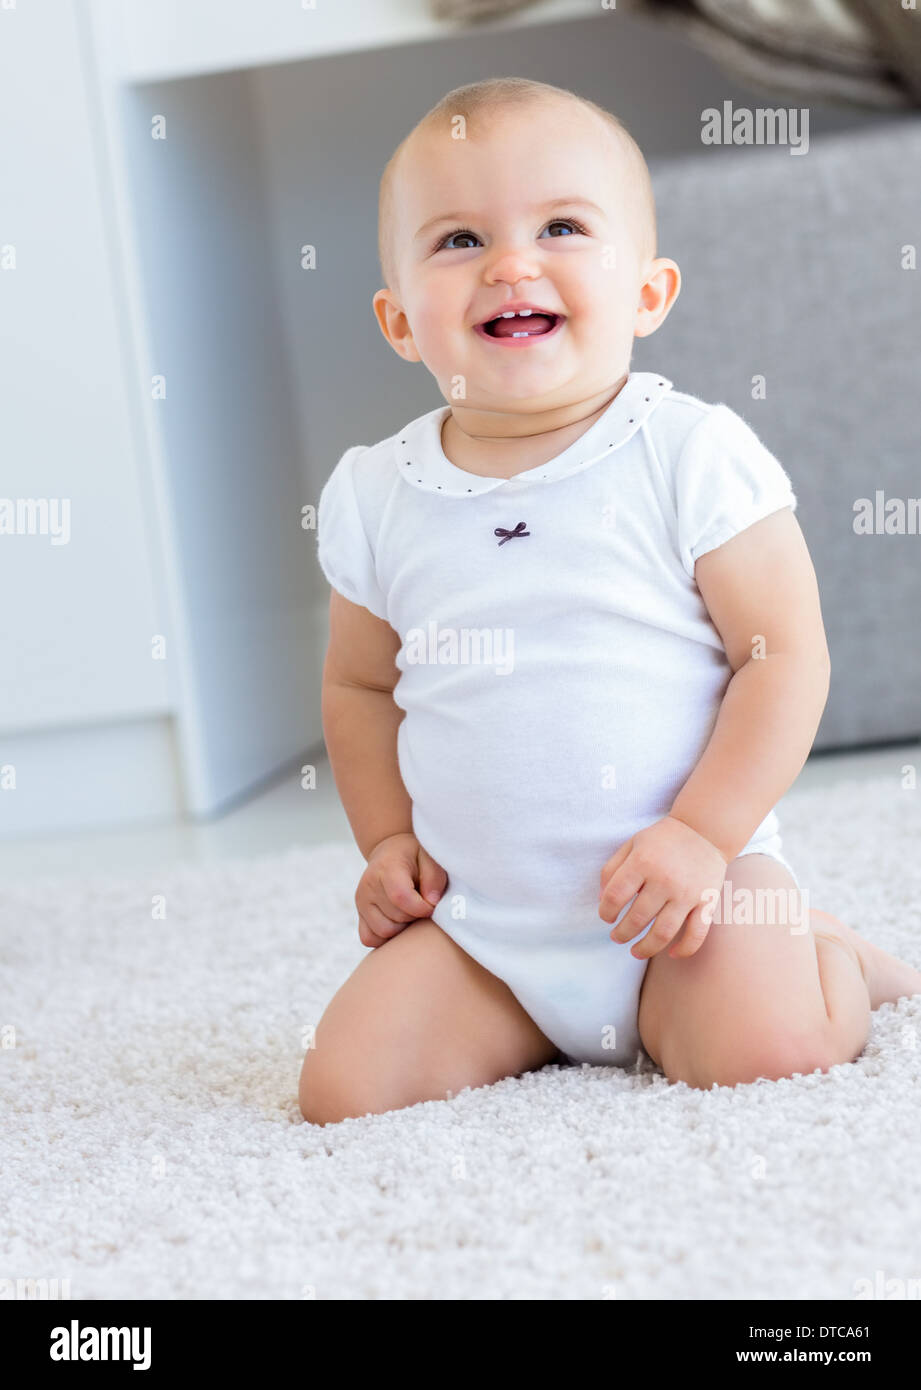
(537, 207)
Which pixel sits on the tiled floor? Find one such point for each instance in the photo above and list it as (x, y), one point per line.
(284, 814)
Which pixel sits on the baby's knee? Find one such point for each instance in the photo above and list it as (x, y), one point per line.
(331, 1090)
(313, 1093)
(349, 1081)
(327, 1092)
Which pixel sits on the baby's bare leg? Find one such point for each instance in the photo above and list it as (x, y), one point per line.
(888, 978)
(416, 1020)
(760, 1000)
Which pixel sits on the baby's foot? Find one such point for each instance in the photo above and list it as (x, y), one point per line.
(888, 979)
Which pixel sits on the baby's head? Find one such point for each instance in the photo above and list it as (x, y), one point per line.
(511, 190)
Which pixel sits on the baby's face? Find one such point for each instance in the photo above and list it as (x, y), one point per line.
(542, 209)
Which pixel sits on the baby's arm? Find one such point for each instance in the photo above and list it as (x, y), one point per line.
(761, 592)
(360, 722)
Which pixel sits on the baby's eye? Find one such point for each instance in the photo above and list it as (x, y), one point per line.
(445, 242)
(565, 222)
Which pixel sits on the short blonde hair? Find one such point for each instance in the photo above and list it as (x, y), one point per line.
(476, 102)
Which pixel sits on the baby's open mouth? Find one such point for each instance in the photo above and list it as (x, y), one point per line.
(525, 323)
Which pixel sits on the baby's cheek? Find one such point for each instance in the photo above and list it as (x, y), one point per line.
(433, 326)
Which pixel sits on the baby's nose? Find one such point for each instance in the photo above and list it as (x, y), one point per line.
(511, 264)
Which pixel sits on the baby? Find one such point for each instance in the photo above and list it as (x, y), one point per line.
(576, 656)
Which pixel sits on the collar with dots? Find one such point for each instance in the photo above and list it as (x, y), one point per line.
(424, 465)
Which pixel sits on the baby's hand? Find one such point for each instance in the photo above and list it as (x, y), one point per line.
(401, 883)
(671, 867)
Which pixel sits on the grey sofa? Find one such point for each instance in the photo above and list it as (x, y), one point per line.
(793, 271)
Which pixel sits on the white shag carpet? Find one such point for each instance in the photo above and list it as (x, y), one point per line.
(151, 1144)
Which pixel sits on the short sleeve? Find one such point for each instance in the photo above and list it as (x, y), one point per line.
(343, 548)
(726, 480)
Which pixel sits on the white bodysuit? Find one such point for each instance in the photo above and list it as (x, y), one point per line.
(559, 671)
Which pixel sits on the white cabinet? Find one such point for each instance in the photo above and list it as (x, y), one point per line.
(78, 610)
(130, 260)
(77, 617)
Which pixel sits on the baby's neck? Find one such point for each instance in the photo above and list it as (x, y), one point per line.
(499, 446)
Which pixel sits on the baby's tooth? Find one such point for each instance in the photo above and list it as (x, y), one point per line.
(524, 312)
(509, 315)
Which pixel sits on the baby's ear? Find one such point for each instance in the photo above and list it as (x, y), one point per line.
(658, 293)
(394, 324)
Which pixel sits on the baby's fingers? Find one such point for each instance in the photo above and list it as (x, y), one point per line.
(649, 902)
(380, 924)
(366, 936)
(432, 878)
(622, 886)
(663, 930)
(398, 895)
(692, 937)
(611, 865)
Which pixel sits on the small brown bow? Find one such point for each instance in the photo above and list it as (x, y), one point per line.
(507, 535)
